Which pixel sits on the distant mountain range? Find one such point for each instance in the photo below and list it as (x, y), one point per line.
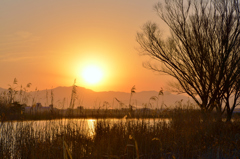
(90, 99)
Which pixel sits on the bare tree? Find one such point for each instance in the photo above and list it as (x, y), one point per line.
(202, 53)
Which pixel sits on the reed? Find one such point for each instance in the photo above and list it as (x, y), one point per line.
(185, 135)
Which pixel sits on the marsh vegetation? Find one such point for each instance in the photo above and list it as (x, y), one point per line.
(184, 135)
(183, 132)
(202, 54)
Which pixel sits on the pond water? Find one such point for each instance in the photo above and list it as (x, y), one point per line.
(85, 126)
(13, 131)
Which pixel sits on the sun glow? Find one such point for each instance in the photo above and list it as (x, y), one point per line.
(92, 74)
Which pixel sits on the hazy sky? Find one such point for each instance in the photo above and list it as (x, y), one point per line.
(50, 42)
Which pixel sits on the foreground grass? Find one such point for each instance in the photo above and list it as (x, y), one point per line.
(184, 136)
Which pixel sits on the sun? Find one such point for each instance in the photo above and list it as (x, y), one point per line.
(92, 74)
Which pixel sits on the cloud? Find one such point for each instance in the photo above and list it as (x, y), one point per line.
(23, 34)
(17, 44)
(14, 57)
(19, 37)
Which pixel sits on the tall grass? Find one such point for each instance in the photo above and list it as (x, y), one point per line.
(185, 135)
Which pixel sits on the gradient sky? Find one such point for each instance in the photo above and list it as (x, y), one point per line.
(50, 42)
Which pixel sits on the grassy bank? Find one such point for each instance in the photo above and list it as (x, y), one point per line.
(16, 111)
(185, 136)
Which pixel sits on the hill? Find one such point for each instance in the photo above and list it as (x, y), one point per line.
(91, 99)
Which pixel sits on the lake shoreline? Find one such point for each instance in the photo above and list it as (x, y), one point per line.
(184, 136)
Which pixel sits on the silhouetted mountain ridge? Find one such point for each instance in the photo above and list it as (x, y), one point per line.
(91, 99)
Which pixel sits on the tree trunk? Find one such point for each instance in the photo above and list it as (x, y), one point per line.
(229, 116)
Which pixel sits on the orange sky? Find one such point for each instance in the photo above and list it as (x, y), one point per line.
(49, 43)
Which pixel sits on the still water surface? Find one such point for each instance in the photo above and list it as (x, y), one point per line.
(11, 132)
(86, 126)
